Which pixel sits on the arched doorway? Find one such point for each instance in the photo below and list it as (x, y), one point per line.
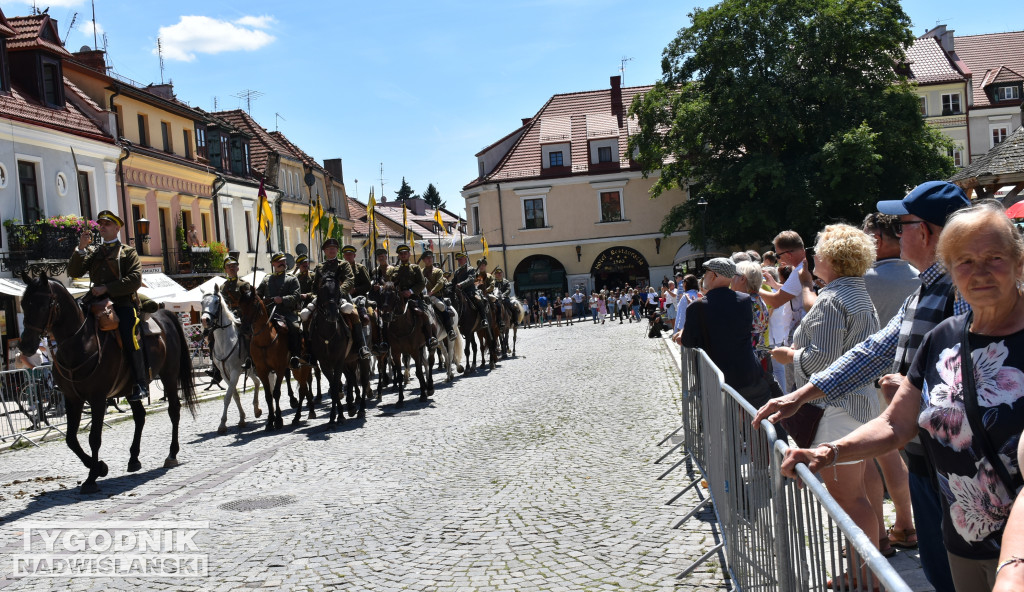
(539, 274)
(618, 266)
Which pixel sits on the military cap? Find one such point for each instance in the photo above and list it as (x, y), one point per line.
(348, 249)
(481, 261)
(460, 255)
(402, 249)
(331, 242)
(380, 251)
(447, 274)
(498, 269)
(111, 216)
(229, 260)
(426, 253)
(279, 256)
(301, 259)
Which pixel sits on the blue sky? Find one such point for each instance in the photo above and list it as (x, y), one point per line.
(418, 86)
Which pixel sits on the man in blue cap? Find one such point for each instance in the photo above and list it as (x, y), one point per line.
(921, 216)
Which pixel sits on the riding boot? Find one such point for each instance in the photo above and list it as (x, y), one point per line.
(212, 371)
(483, 314)
(243, 351)
(446, 319)
(295, 346)
(141, 389)
(360, 340)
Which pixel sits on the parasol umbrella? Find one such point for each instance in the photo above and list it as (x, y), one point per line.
(1016, 210)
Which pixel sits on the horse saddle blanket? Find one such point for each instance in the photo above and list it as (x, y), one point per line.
(150, 327)
(106, 318)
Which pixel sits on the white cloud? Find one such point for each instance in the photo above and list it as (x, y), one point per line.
(202, 34)
(86, 28)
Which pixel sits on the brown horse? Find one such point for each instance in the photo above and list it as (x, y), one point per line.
(472, 329)
(334, 349)
(269, 352)
(90, 368)
(405, 336)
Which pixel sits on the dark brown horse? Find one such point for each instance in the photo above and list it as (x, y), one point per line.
(335, 351)
(90, 368)
(268, 349)
(472, 329)
(405, 336)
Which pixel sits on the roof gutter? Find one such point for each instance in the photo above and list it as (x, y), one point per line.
(218, 184)
(501, 226)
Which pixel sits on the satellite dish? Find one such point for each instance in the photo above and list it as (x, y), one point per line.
(309, 179)
(85, 48)
(289, 261)
(301, 249)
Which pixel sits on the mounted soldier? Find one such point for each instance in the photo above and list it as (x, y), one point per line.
(116, 273)
(281, 294)
(379, 277)
(342, 272)
(229, 291)
(408, 280)
(466, 279)
(361, 285)
(435, 284)
(305, 278)
(503, 291)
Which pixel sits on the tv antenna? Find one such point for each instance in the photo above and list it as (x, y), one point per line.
(94, 43)
(622, 69)
(383, 197)
(160, 54)
(249, 95)
(74, 17)
(276, 117)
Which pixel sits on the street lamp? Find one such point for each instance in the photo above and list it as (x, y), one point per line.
(703, 203)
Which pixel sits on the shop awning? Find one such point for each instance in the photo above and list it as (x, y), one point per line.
(12, 287)
(159, 287)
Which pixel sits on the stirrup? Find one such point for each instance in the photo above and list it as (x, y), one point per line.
(247, 364)
(139, 392)
(364, 353)
(382, 347)
(295, 363)
(432, 342)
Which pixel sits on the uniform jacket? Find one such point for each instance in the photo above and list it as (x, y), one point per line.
(361, 282)
(285, 286)
(113, 265)
(231, 290)
(305, 282)
(464, 276)
(504, 288)
(407, 277)
(434, 279)
(341, 271)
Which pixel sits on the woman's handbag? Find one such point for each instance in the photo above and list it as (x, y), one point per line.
(803, 424)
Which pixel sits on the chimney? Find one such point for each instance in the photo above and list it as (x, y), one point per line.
(165, 91)
(527, 120)
(617, 97)
(947, 41)
(333, 166)
(92, 58)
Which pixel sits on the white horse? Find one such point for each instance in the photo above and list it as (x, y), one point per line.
(227, 355)
(450, 346)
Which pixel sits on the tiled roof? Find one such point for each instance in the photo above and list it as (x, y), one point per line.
(35, 32)
(1005, 74)
(564, 118)
(985, 54)
(1005, 158)
(5, 27)
(262, 144)
(929, 64)
(421, 224)
(23, 107)
(297, 152)
(360, 226)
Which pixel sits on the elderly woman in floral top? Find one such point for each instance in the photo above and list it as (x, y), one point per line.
(748, 280)
(971, 434)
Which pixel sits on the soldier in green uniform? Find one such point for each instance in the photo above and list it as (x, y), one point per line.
(466, 280)
(230, 291)
(280, 293)
(380, 270)
(341, 270)
(116, 273)
(305, 278)
(361, 285)
(503, 290)
(435, 283)
(408, 280)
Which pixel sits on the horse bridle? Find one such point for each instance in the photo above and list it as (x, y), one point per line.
(53, 313)
(214, 325)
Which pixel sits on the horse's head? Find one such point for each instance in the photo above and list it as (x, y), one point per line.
(328, 298)
(211, 309)
(250, 306)
(390, 302)
(40, 307)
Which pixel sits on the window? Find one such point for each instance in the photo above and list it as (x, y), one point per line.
(248, 231)
(956, 155)
(239, 157)
(1007, 93)
(200, 141)
(611, 206)
(213, 151)
(165, 135)
(951, 104)
(476, 219)
(53, 84)
(84, 195)
(533, 211)
(143, 129)
(924, 106)
(604, 154)
(188, 143)
(205, 218)
(227, 229)
(999, 133)
(480, 168)
(555, 158)
(28, 183)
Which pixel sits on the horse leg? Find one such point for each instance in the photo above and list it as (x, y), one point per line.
(228, 396)
(174, 412)
(364, 375)
(268, 394)
(275, 411)
(238, 400)
(319, 393)
(139, 416)
(74, 411)
(291, 395)
(97, 468)
(399, 382)
(313, 401)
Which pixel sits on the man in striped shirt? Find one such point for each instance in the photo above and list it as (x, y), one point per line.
(922, 214)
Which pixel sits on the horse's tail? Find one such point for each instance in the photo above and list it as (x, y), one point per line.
(186, 382)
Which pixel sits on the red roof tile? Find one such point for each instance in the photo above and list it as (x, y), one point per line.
(21, 106)
(361, 227)
(35, 32)
(262, 144)
(985, 54)
(571, 117)
(297, 152)
(5, 27)
(929, 64)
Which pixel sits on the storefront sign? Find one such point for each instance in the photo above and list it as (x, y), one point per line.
(619, 259)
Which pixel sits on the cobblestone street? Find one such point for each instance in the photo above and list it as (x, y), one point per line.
(536, 476)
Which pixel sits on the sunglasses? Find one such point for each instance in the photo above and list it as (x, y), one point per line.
(781, 253)
(897, 226)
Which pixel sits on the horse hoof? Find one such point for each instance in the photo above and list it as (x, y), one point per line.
(242, 423)
(270, 426)
(170, 463)
(101, 469)
(259, 412)
(90, 487)
(279, 423)
(293, 402)
(223, 429)
(134, 465)
(312, 415)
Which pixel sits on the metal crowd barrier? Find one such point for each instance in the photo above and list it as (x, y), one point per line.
(197, 348)
(775, 535)
(31, 405)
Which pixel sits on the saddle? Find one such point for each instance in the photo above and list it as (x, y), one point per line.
(280, 323)
(150, 327)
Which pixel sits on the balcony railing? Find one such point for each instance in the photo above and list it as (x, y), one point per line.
(192, 260)
(41, 247)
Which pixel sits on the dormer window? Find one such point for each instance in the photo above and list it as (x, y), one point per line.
(1007, 93)
(239, 156)
(52, 83)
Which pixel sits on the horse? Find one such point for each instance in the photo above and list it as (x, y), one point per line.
(509, 322)
(471, 328)
(269, 352)
(227, 354)
(405, 336)
(449, 345)
(334, 350)
(90, 368)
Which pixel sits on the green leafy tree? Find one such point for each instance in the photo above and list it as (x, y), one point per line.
(785, 114)
(433, 197)
(404, 192)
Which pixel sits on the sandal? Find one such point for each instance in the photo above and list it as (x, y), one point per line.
(886, 548)
(903, 538)
(846, 582)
